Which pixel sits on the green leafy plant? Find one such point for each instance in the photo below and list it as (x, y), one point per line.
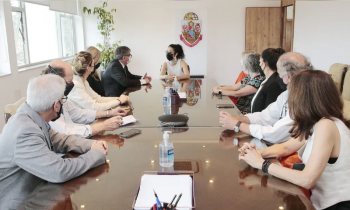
(105, 24)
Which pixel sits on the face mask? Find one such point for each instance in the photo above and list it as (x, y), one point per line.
(129, 60)
(96, 67)
(58, 113)
(69, 87)
(242, 63)
(169, 56)
(282, 85)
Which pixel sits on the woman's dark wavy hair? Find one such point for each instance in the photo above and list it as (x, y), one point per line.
(178, 49)
(271, 56)
(313, 96)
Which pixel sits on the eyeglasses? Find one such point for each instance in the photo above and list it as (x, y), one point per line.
(129, 55)
(64, 99)
(54, 71)
(166, 52)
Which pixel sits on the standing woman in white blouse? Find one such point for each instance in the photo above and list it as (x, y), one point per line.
(82, 95)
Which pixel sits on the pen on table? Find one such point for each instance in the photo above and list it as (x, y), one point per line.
(159, 205)
(169, 205)
(177, 201)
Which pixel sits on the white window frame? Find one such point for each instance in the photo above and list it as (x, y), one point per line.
(59, 37)
(59, 33)
(22, 10)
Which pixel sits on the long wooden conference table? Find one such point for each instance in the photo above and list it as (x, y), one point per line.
(201, 147)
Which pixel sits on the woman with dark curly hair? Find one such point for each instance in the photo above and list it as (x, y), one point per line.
(175, 66)
(245, 90)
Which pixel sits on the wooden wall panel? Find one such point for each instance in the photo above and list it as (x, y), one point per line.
(285, 3)
(287, 45)
(263, 28)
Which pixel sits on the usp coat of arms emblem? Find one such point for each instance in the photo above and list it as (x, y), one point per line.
(191, 30)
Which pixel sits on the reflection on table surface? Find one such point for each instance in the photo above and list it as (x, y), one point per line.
(221, 180)
(200, 105)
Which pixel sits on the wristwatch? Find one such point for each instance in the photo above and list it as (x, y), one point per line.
(220, 94)
(236, 128)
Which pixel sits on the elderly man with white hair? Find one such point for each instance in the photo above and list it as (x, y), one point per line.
(273, 123)
(28, 145)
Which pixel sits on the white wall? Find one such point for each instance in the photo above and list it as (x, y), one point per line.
(148, 27)
(13, 83)
(322, 32)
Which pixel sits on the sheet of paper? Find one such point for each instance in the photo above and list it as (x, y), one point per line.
(128, 119)
(182, 94)
(166, 186)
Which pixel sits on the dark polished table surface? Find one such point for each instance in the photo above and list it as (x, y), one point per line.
(200, 105)
(211, 152)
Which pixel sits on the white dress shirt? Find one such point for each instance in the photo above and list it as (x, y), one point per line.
(73, 121)
(84, 97)
(273, 123)
(142, 81)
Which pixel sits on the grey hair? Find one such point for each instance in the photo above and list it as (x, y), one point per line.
(252, 62)
(120, 52)
(44, 91)
(291, 63)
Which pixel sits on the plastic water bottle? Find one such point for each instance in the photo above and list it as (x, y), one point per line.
(175, 84)
(169, 97)
(166, 151)
(165, 97)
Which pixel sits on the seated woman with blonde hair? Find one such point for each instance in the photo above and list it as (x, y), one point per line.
(82, 95)
(320, 135)
(93, 79)
(175, 66)
(246, 89)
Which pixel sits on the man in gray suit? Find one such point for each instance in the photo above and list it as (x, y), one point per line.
(29, 146)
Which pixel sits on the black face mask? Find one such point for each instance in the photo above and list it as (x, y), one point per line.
(69, 87)
(58, 113)
(169, 56)
(280, 82)
(96, 67)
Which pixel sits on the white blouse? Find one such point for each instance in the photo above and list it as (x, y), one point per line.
(333, 186)
(84, 97)
(174, 69)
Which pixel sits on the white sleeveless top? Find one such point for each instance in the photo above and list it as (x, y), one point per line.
(174, 69)
(333, 186)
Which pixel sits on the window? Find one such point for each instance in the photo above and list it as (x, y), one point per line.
(41, 34)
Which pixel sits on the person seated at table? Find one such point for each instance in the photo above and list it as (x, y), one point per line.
(27, 142)
(321, 136)
(93, 79)
(117, 77)
(75, 121)
(82, 96)
(273, 123)
(176, 66)
(269, 89)
(245, 90)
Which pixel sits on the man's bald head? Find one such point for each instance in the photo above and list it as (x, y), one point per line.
(291, 63)
(62, 68)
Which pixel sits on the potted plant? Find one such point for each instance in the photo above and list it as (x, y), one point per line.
(105, 24)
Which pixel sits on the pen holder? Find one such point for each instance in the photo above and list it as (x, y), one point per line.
(175, 98)
(165, 207)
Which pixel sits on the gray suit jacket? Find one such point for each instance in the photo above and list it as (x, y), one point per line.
(26, 144)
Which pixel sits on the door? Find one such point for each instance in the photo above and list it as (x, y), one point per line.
(263, 28)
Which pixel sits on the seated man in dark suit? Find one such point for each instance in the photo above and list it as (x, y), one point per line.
(117, 76)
